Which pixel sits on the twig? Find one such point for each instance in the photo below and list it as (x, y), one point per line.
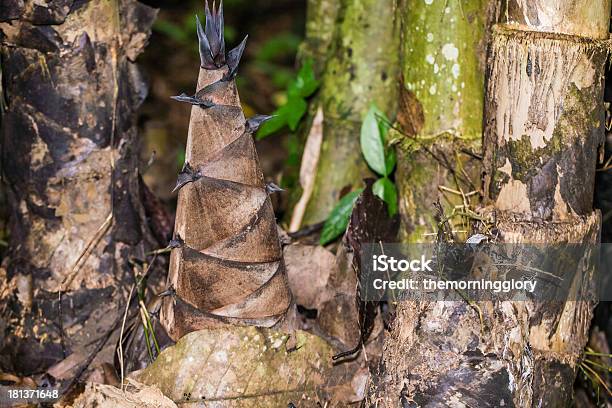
(450, 190)
(470, 153)
(598, 377)
(607, 165)
(86, 252)
(127, 306)
(146, 272)
(596, 364)
(454, 231)
(61, 323)
(145, 329)
(160, 251)
(148, 328)
(591, 352)
(83, 256)
(307, 230)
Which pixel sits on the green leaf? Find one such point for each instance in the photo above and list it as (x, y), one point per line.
(373, 139)
(308, 84)
(372, 142)
(389, 160)
(384, 126)
(180, 158)
(289, 114)
(272, 125)
(339, 217)
(293, 111)
(386, 191)
(305, 83)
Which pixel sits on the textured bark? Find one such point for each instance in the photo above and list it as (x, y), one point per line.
(543, 123)
(70, 157)
(362, 69)
(530, 169)
(521, 354)
(441, 109)
(584, 18)
(228, 266)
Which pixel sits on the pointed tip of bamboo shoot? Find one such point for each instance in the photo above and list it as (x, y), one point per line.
(211, 41)
(206, 57)
(211, 38)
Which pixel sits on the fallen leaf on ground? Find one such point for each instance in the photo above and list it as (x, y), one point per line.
(136, 395)
(308, 270)
(251, 367)
(308, 169)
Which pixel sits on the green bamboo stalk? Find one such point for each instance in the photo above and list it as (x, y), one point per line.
(442, 104)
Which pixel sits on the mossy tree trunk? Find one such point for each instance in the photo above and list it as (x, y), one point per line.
(362, 68)
(443, 48)
(70, 157)
(544, 120)
(321, 17)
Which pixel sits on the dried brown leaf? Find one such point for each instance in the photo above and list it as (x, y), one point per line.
(136, 395)
(308, 169)
(325, 282)
(370, 223)
(308, 269)
(410, 115)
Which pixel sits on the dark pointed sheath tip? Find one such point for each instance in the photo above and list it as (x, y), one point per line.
(176, 242)
(233, 60)
(211, 42)
(273, 188)
(211, 38)
(253, 123)
(186, 175)
(168, 292)
(193, 100)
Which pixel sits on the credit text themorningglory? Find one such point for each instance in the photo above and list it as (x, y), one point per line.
(384, 263)
(427, 284)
